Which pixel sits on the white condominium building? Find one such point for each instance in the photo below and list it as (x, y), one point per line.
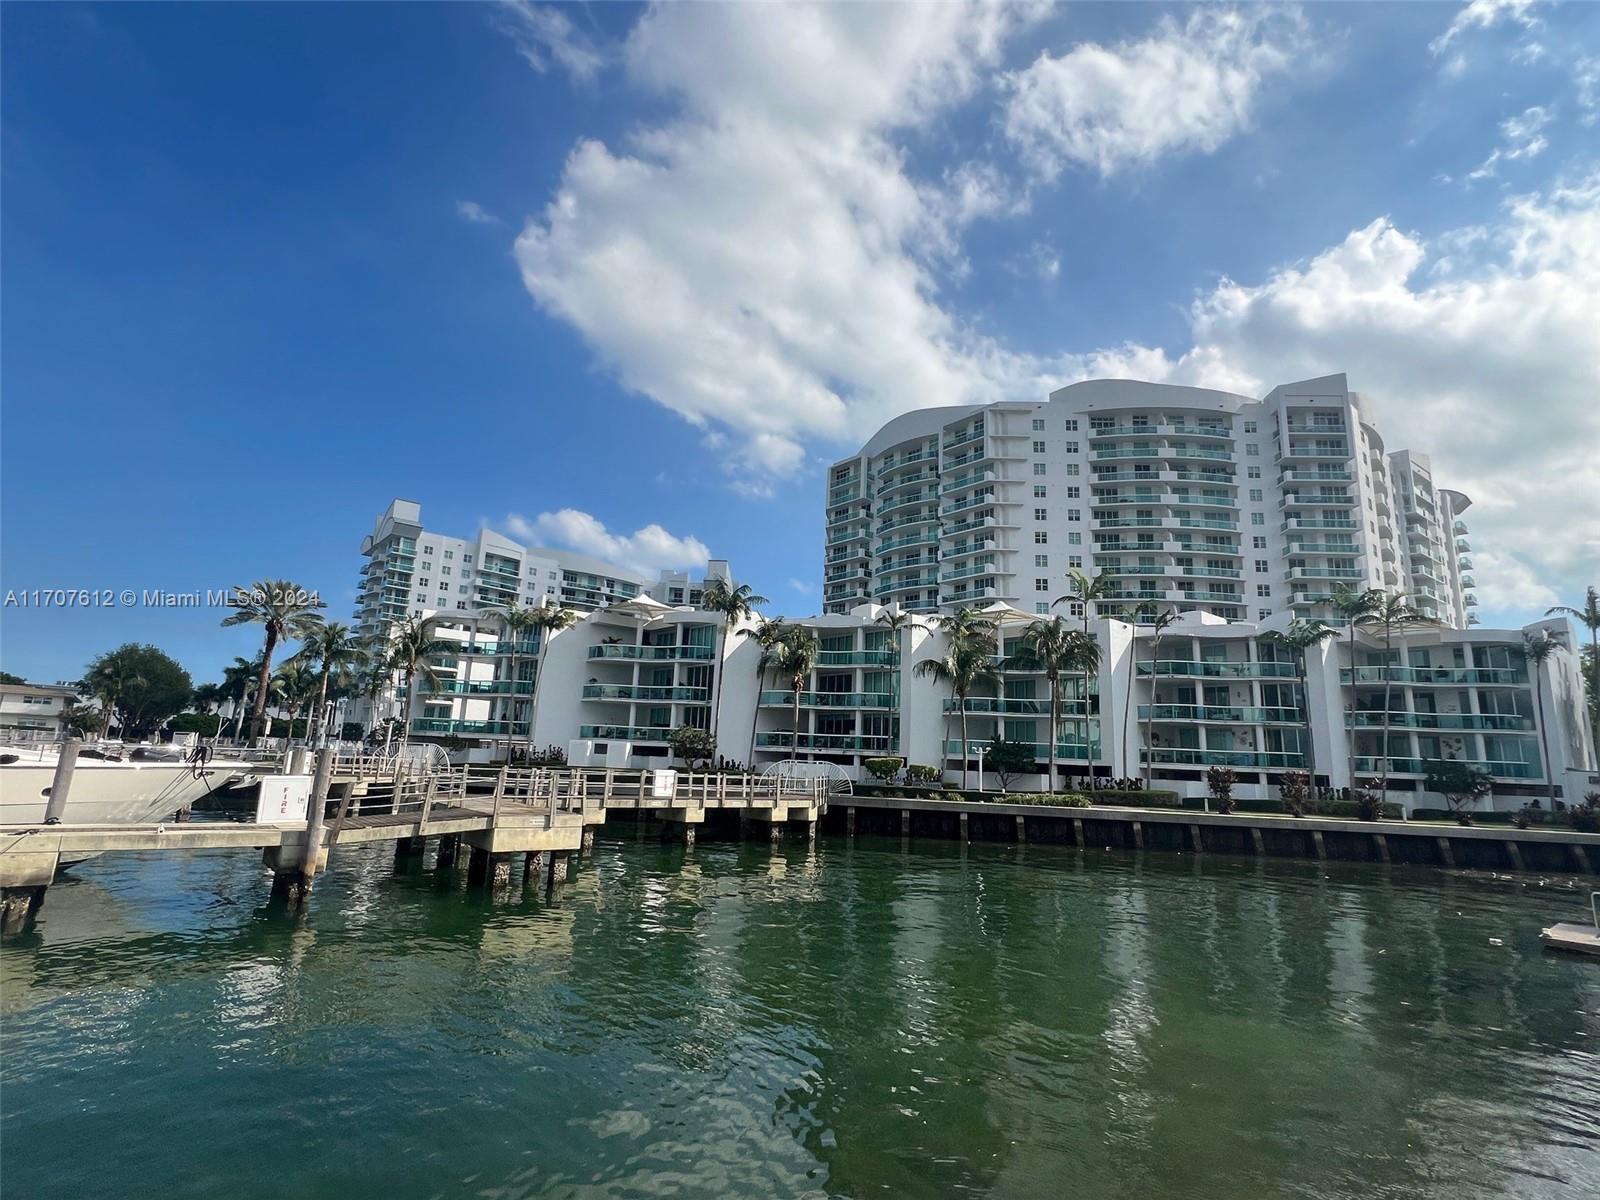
(1210, 693)
(1193, 499)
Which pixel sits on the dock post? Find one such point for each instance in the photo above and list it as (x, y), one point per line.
(1022, 831)
(449, 847)
(1318, 845)
(1078, 833)
(1514, 851)
(488, 870)
(586, 842)
(407, 848)
(1382, 843)
(1581, 856)
(533, 863)
(1199, 844)
(1138, 834)
(558, 868)
(17, 907)
(850, 821)
(962, 817)
(1256, 840)
(1445, 854)
(905, 822)
(61, 783)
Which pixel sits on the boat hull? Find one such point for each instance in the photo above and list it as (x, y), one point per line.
(105, 793)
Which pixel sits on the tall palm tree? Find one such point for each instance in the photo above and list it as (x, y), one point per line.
(236, 683)
(333, 648)
(795, 658)
(296, 682)
(1158, 628)
(767, 634)
(967, 662)
(1589, 617)
(1049, 645)
(287, 611)
(110, 677)
(1394, 616)
(1354, 606)
(411, 645)
(896, 623)
(516, 623)
(1537, 649)
(733, 603)
(1300, 637)
(207, 696)
(1087, 591)
(548, 620)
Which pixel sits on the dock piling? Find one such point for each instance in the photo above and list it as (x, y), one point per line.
(61, 782)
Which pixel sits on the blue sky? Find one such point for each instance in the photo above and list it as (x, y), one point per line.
(266, 267)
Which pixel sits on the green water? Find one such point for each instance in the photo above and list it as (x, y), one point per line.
(854, 1020)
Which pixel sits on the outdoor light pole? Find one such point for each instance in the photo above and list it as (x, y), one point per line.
(981, 750)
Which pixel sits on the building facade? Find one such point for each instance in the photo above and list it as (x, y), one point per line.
(1193, 499)
(1210, 693)
(33, 710)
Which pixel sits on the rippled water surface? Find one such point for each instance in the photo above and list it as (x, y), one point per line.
(853, 1020)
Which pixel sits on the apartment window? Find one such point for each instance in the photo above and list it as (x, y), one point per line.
(1041, 560)
(466, 558)
(1075, 609)
(1041, 514)
(1074, 539)
(1040, 468)
(1038, 447)
(1263, 613)
(422, 583)
(1258, 542)
(552, 574)
(1072, 468)
(464, 589)
(1253, 450)
(1258, 519)
(1253, 472)
(449, 553)
(1041, 538)
(462, 605)
(444, 570)
(427, 549)
(1072, 447)
(1041, 585)
(1040, 490)
(1255, 495)
(1074, 514)
(1074, 560)
(1041, 607)
(1261, 566)
(1249, 426)
(1264, 589)
(1072, 425)
(1074, 492)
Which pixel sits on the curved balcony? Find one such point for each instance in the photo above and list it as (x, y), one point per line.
(1280, 760)
(654, 653)
(629, 692)
(855, 658)
(828, 700)
(1221, 714)
(1320, 523)
(906, 501)
(1219, 670)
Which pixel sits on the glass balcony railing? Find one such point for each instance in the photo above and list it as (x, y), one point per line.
(1434, 675)
(855, 658)
(1219, 670)
(782, 739)
(1373, 765)
(468, 728)
(1321, 523)
(1067, 751)
(828, 699)
(623, 691)
(1204, 523)
(1224, 758)
(1018, 707)
(625, 733)
(654, 653)
(481, 687)
(1226, 713)
(1489, 722)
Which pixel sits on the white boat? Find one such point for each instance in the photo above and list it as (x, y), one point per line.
(144, 784)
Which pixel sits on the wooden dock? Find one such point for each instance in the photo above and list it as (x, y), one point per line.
(495, 812)
(1575, 937)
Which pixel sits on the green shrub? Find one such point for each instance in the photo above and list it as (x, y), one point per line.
(884, 768)
(1154, 798)
(920, 773)
(1585, 817)
(1220, 781)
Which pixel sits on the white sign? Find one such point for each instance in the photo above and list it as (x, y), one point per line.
(283, 800)
(663, 785)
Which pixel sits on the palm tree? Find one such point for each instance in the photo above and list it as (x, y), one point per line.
(968, 661)
(515, 624)
(1354, 607)
(548, 620)
(1302, 636)
(1050, 646)
(1159, 625)
(1537, 649)
(795, 658)
(767, 634)
(332, 648)
(1589, 617)
(411, 644)
(207, 696)
(236, 682)
(1086, 591)
(109, 678)
(1394, 615)
(896, 623)
(296, 681)
(733, 603)
(287, 611)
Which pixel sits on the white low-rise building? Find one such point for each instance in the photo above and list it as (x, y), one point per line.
(33, 710)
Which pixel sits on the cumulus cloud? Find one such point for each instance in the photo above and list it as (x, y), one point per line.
(1184, 88)
(647, 550)
(1484, 14)
(1521, 137)
(1586, 78)
(1492, 368)
(545, 37)
(763, 263)
(474, 213)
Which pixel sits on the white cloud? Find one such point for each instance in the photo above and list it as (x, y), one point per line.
(1485, 14)
(1492, 368)
(474, 213)
(1586, 76)
(647, 550)
(801, 586)
(545, 36)
(1039, 261)
(1184, 88)
(1521, 137)
(763, 263)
